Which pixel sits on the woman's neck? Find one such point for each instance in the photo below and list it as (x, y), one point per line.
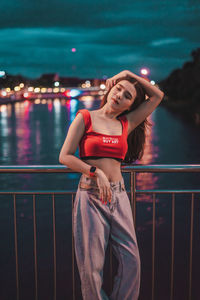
(108, 112)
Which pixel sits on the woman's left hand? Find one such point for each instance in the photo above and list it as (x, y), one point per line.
(110, 82)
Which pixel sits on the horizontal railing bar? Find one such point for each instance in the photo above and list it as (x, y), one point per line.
(167, 191)
(162, 168)
(125, 168)
(74, 192)
(38, 192)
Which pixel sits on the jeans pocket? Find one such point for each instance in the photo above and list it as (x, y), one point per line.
(81, 188)
(88, 188)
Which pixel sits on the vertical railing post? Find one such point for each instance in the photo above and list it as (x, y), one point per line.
(153, 248)
(16, 247)
(54, 243)
(133, 195)
(111, 269)
(172, 248)
(73, 271)
(35, 248)
(191, 242)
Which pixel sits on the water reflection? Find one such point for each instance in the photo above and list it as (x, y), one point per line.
(4, 130)
(33, 133)
(23, 132)
(57, 120)
(148, 181)
(50, 105)
(88, 101)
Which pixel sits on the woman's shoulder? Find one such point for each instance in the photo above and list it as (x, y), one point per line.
(86, 116)
(83, 111)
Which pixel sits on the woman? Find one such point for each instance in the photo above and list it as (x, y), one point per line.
(106, 137)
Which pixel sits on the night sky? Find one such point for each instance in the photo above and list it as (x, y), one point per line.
(109, 36)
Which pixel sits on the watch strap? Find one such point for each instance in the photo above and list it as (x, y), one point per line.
(92, 171)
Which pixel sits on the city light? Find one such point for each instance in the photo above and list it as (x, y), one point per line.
(56, 83)
(87, 84)
(3, 93)
(43, 90)
(56, 90)
(100, 93)
(152, 82)
(144, 71)
(74, 93)
(36, 90)
(2, 73)
(21, 85)
(102, 86)
(26, 95)
(16, 88)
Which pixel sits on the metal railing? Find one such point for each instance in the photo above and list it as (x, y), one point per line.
(132, 170)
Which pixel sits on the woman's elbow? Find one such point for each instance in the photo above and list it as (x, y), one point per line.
(61, 158)
(162, 95)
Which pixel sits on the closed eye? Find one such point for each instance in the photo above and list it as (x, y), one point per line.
(126, 95)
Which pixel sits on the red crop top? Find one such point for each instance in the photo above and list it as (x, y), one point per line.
(98, 145)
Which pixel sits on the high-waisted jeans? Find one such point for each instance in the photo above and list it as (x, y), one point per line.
(94, 225)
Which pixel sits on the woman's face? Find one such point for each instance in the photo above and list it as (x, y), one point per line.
(122, 95)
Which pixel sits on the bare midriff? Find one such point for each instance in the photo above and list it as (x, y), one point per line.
(110, 166)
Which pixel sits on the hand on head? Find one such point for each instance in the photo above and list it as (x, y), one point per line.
(110, 82)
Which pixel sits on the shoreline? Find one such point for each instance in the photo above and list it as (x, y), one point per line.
(184, 109)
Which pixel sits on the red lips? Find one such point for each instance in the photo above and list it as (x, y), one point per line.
(115, 100)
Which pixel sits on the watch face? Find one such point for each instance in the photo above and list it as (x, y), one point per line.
(92, 169)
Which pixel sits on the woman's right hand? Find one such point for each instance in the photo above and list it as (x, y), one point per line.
(104, 186)
(110, 82)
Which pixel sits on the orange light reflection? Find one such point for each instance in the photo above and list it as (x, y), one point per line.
(147, 181)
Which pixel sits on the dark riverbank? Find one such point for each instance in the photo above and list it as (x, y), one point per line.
(185, 109)
(182, 89)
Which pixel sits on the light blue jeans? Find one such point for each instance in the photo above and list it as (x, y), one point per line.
(94, 225)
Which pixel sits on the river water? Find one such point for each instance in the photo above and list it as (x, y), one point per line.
(32, 133)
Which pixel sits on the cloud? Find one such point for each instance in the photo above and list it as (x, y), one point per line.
(52, 13)
(166, 41)
(91, 14)
(37, 37)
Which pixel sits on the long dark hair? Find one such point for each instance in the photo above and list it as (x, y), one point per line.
(136, 138)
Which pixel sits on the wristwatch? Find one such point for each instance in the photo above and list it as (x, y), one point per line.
(92, 170)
